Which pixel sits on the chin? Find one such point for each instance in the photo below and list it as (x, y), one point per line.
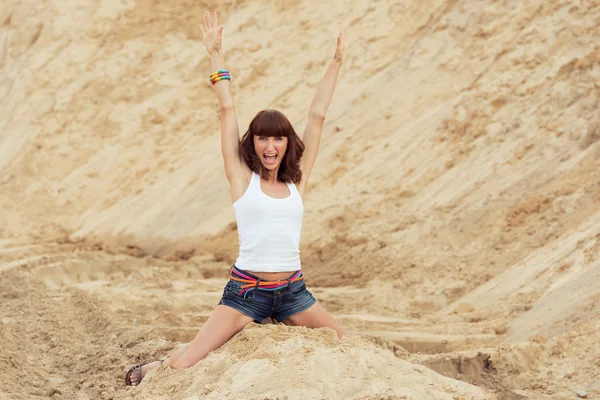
(270, 167)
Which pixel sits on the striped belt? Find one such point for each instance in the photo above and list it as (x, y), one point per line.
(251, 283)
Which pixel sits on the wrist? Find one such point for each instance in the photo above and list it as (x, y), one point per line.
(217, 60)
(216, 56)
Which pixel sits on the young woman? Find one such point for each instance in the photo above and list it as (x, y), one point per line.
(268, 171)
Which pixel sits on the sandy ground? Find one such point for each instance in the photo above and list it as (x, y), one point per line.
(452, 222)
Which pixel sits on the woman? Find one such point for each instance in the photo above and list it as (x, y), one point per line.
(268, 171)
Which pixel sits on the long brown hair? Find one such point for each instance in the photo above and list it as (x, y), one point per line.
(272, 123)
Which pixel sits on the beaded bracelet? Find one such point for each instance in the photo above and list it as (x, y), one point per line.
(220, 75)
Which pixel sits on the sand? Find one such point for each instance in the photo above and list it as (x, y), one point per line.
(452, 219)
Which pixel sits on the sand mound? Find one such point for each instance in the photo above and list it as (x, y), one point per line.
(277, 361)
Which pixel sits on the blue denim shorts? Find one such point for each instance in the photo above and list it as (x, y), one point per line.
(258, 304)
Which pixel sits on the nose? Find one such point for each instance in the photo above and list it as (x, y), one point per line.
(271, 144)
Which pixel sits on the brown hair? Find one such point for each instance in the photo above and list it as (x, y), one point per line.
(272, 123)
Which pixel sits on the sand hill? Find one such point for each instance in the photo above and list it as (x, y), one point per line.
(454, 208)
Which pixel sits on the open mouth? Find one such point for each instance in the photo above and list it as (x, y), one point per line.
(270, 158)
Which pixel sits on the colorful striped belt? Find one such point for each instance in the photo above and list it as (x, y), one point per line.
(259, 284)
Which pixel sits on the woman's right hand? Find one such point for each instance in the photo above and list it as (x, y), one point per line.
(212, 34)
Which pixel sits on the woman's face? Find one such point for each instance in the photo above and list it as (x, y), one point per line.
(270, 150)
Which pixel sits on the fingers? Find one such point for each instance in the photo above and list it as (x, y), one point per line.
(341, 38)
(340, 53)
(210, 22)
(206, 21)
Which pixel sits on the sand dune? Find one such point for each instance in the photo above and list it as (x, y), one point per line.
(452, 219)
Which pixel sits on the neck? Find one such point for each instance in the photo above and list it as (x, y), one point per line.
(273, 175)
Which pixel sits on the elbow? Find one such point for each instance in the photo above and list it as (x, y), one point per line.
(226, 106)
(317, 115)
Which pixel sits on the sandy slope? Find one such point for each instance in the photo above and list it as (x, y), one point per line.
(454, 209)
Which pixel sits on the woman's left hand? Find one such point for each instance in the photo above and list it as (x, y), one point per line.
(340, 51)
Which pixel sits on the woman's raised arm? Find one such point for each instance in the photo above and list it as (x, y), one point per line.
(230, 134)
(318, 110)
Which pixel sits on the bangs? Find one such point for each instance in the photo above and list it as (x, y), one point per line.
(271, 123)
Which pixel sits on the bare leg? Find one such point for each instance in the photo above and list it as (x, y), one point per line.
(316, 317)
(218, 329)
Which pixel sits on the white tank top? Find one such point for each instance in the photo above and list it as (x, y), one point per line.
(268, 229)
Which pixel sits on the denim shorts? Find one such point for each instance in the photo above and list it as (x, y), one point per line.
(258, 304)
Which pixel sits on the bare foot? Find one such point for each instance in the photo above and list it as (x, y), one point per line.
(134, 376)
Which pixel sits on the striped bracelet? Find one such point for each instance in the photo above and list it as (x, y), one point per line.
(220, 75)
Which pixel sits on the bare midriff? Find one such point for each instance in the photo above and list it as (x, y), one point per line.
(272, 276)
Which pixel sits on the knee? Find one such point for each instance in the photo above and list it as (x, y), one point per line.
(341, 332)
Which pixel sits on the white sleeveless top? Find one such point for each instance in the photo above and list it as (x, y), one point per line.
(268, 229)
